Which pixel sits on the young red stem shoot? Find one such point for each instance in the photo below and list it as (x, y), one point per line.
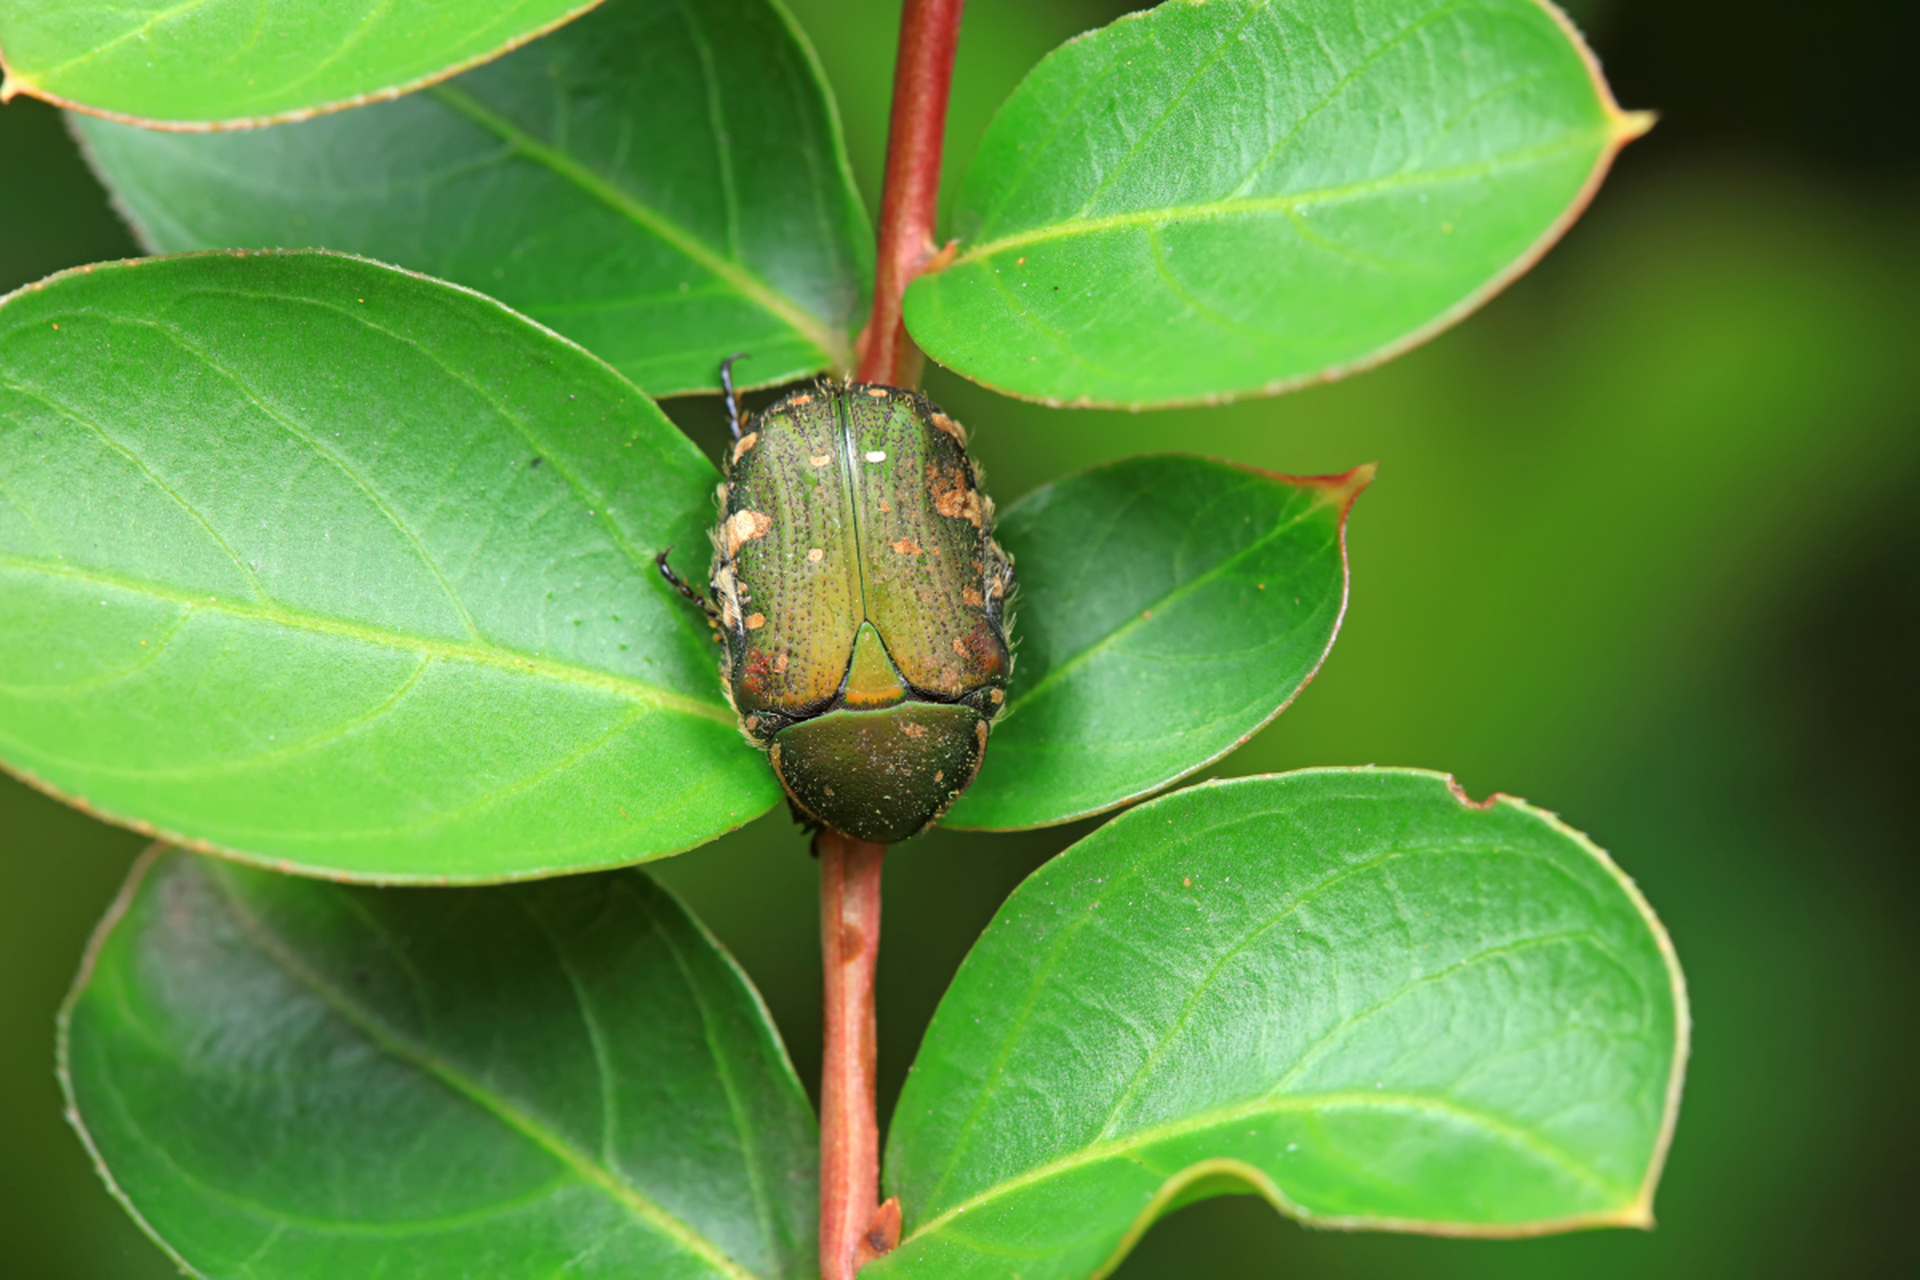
(852, 1228)
(929, 33)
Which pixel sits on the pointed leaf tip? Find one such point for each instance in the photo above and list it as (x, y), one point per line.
(1342, 489)
(1628, 125)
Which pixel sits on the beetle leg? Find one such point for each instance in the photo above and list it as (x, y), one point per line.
(734, 420)
(679, 584)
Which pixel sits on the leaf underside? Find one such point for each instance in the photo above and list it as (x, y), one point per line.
(1210, 200)
(227, 63)
(1347, 989)
(663, 183)
(288, 1080)
(1168, 607)
(329, 566)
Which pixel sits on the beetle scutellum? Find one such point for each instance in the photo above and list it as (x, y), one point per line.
(861, 603)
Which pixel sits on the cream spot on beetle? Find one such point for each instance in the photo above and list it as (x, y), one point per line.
(803, 398)
(876, 455)
(878, 393)
(815, 555)
(939, 775)
(914, 730)
(886, 508)
(980, 732)
(780, 663)
(745, 443)
(972, 597)
(905, 547)
(820, 459)
(745, 526)
(942, 422)
(957, 503)
(773, 755)
(755, 621)
(999, 696)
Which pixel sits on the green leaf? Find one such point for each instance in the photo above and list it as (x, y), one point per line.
(227, 64)
(1347, 990)
(1238, 197)
(324, 564)
(1168, 607)
(286, 1078)
(663, 183)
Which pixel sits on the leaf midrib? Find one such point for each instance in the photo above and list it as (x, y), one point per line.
(1205, 210)
(495, 656)
(395, 1046)
(1271, 1106)
(750, 286)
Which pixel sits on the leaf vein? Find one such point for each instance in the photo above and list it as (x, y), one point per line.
(819, 332)
(485, 655)
(398, 1047)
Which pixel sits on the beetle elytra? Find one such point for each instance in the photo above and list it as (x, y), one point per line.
(861, 602)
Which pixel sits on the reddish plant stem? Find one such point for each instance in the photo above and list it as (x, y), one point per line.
(852, 1228)
(929, 34)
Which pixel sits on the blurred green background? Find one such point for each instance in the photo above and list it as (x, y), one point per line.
(1643, 549)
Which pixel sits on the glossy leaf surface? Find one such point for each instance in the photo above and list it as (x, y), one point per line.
(286, 1078)
(663, 183)
(1168, 607)
(229, 63)
(330, 566)
(1236, 197)
(1346, 990)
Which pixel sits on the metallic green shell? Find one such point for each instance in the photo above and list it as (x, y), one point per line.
(857, 504)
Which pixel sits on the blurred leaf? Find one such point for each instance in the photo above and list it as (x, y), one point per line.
(1210, 200)
(662, 183)
(286, 1078)
(1168, 607)
(206, 64)
(1349, 991)
(330, 566)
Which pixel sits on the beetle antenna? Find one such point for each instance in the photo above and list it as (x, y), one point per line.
(679, 584)
(726, 385)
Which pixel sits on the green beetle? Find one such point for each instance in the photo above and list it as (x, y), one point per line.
(861, 603)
